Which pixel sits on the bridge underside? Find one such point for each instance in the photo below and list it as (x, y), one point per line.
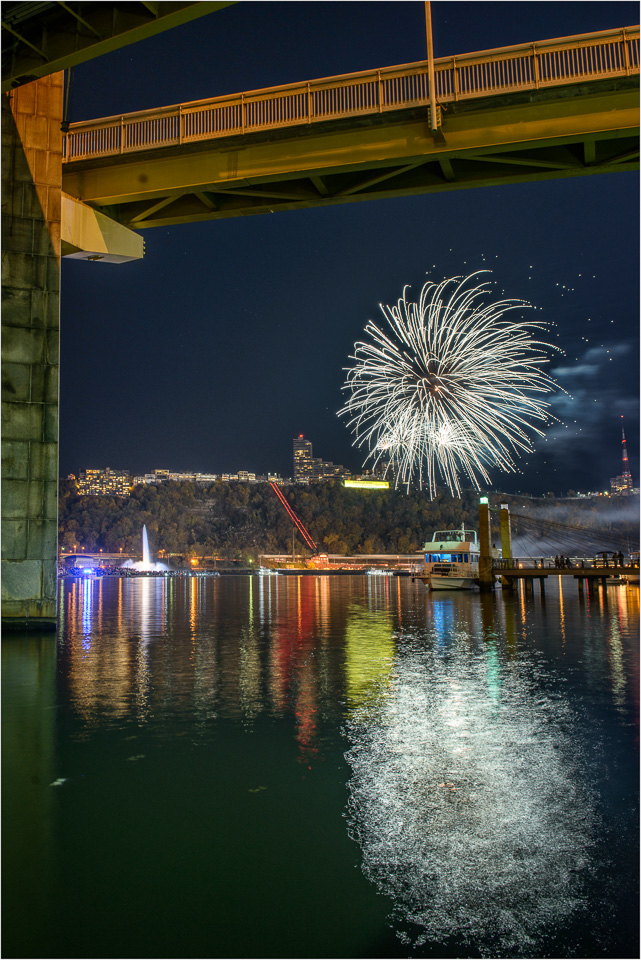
(559, 132)
(39, 39)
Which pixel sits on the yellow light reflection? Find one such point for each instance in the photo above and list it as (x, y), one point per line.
(615, 657)
(369, 654)
(522, 605)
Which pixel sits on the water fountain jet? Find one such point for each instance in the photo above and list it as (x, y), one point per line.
(146, 565)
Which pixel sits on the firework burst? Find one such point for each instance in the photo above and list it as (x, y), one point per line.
(451, 387)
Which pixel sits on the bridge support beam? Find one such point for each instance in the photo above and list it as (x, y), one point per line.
(31, 201)
(87, 234)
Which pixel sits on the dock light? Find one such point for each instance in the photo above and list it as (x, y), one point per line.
(484, 500)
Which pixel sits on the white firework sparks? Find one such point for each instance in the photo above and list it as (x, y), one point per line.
(451, 388)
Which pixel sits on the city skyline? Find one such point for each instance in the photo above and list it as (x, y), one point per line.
(231, 335)
(305, 469)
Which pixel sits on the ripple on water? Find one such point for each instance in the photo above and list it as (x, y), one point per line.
(468, 802)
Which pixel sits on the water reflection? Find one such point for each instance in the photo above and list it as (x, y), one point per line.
(467, 797)
(369, 653)
(280, 644)
(489, 737)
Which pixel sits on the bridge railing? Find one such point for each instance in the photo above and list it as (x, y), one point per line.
(549, 63)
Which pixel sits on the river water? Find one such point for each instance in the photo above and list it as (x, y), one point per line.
(322, 767)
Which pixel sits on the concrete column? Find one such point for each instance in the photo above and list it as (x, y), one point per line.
(506, 542)
(31, 202)
(486, 577)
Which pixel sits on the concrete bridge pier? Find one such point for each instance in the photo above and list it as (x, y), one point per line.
(31, 205)
(486, 575)
(506, 542)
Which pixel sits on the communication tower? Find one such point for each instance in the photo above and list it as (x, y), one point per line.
(622, 485)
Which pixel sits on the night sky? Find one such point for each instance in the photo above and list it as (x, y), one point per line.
(230, 337)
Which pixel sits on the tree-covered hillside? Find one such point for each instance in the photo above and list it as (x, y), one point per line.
(244, 520)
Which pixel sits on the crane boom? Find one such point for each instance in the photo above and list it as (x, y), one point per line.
(299, 524)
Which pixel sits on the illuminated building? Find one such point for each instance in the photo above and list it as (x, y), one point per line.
(307, 467)
(163, 476)
(332, 470)
(105, 482)
(302, 450)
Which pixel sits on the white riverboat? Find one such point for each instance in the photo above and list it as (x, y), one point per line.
(451, 560)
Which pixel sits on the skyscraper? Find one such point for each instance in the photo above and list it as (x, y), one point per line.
(302, 459)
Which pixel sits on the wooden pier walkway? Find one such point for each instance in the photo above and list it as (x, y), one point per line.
(584, 572)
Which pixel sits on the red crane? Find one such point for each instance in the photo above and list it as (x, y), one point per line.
(304, 533)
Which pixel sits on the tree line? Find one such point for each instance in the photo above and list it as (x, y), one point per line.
(243, 520)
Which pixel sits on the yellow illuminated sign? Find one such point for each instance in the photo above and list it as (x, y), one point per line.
(367, 484)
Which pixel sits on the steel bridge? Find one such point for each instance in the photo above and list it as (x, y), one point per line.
(556, 108)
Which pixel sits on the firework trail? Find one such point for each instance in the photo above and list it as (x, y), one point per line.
(450, 387)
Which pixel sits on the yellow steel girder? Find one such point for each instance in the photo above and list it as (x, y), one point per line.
(514, 140)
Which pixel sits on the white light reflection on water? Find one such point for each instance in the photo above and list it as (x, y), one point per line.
(467, 801)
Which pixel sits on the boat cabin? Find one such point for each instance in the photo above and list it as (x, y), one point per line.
(451, 559)
(452, 546)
